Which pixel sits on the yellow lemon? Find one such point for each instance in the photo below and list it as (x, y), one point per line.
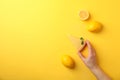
(94, 26)
(67, 61)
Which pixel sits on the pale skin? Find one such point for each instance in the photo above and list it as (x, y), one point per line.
(91, 62)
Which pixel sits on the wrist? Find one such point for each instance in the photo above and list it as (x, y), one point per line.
(94, 68)
(99, 73)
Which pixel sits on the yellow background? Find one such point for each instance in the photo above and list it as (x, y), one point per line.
(33, 38)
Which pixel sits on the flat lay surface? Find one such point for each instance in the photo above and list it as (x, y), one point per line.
(33, 37)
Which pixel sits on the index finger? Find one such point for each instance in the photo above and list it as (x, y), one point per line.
(90, 48)
(83, 46)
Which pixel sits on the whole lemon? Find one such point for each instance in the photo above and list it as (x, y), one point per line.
(94, 26)
(67, 61)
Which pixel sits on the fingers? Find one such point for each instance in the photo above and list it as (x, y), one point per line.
(91, 51)
(84, 45)
(81, 56)
(90, 48)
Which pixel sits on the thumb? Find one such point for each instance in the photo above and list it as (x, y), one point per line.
(81, 56)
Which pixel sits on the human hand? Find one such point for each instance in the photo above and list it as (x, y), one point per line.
(89, 61)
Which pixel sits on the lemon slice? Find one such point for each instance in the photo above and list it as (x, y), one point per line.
(68, 61)
(84, 15)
